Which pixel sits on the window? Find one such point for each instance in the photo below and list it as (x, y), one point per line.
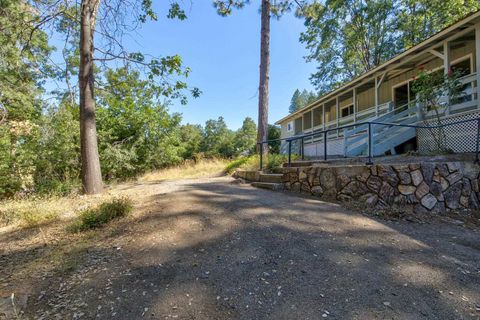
(289, 126)
(463, 66)
(347, 111)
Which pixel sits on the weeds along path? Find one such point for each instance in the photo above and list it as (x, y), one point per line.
(215, 249)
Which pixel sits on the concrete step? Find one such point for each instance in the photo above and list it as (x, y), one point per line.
(268, 185)
(271, 177)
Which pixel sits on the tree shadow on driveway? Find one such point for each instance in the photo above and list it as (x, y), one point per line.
(223, 251)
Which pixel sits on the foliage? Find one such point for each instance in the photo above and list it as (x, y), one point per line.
(23, 63)
(277, 8)
(420, 19)
(218, 139)
(274, 133)
(136, 132)
(301, 99)
(101, 215)
(237, 163)
(57, 171)
(434, 91)
(271, 163)
(246, 137)
(191, 136)
(348, 37)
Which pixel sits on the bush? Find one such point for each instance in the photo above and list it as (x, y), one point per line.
(104, 213)
(235, 164)
(271, 164)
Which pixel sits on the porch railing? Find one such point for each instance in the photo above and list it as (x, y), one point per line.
(439, 133)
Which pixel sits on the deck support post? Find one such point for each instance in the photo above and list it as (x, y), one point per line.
(324, 120)
(354, 105)
(337, 110)
(446, 69)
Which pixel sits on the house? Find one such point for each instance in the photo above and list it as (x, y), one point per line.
(384, 94)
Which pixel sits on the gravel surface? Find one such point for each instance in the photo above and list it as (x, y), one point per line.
(215, 249)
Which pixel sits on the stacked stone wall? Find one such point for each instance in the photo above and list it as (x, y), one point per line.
(421, 187)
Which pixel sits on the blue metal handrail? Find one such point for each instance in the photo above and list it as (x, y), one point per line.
(368, 124)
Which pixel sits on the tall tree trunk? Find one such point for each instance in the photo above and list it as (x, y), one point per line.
(262, 134)
(91, 173)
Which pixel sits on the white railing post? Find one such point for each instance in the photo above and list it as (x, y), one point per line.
(477, 56)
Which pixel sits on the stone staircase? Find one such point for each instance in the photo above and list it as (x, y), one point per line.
(270, 181)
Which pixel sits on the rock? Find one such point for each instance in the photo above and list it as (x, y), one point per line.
(470, 170)
(464, 201)
(317, 191)
(429, 201)
(414, 166)
(342, 181)
(405, 177)
(475, 185)
(327, 180)
(316, 181)
(295, 186)
(381, 204)
(466, 188)
(400, 200)
(453, 166)
(411, 199)
(302, 176)
(454, 177)
(374, 183)
(452, 195)
(420, 209)
(444, 183)
(473, 201)
(442, 170)
(406, 189)
(364, 176)
(386, 173)
(293, 176)
(436, 190)
(417, 177)
(374, 170)
(372, 200)
(387, 193)
(305, 187)
(427, 171)
(422, 190)
(288, 185)
(355, 189)
(439, 208)
(344, 198)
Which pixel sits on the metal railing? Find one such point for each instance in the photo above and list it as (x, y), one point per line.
(374, 133)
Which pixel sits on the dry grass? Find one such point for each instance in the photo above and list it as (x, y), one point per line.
(37, 211)
(34, 212)
(204, 168)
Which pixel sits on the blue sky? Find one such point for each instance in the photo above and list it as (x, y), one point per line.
(224, 53)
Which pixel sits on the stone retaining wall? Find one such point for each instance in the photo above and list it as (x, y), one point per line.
(423, 187)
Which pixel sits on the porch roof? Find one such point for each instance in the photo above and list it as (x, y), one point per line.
(457, 29)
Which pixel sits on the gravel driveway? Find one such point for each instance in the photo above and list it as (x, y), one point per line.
(214, 249)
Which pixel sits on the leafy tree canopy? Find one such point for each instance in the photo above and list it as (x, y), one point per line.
(348, 37)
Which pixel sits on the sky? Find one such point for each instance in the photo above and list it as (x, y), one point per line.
(224, 55)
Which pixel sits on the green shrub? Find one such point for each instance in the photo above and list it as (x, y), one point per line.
(235, 164)
(104, 213)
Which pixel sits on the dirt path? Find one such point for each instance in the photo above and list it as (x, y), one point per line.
(213, 249)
